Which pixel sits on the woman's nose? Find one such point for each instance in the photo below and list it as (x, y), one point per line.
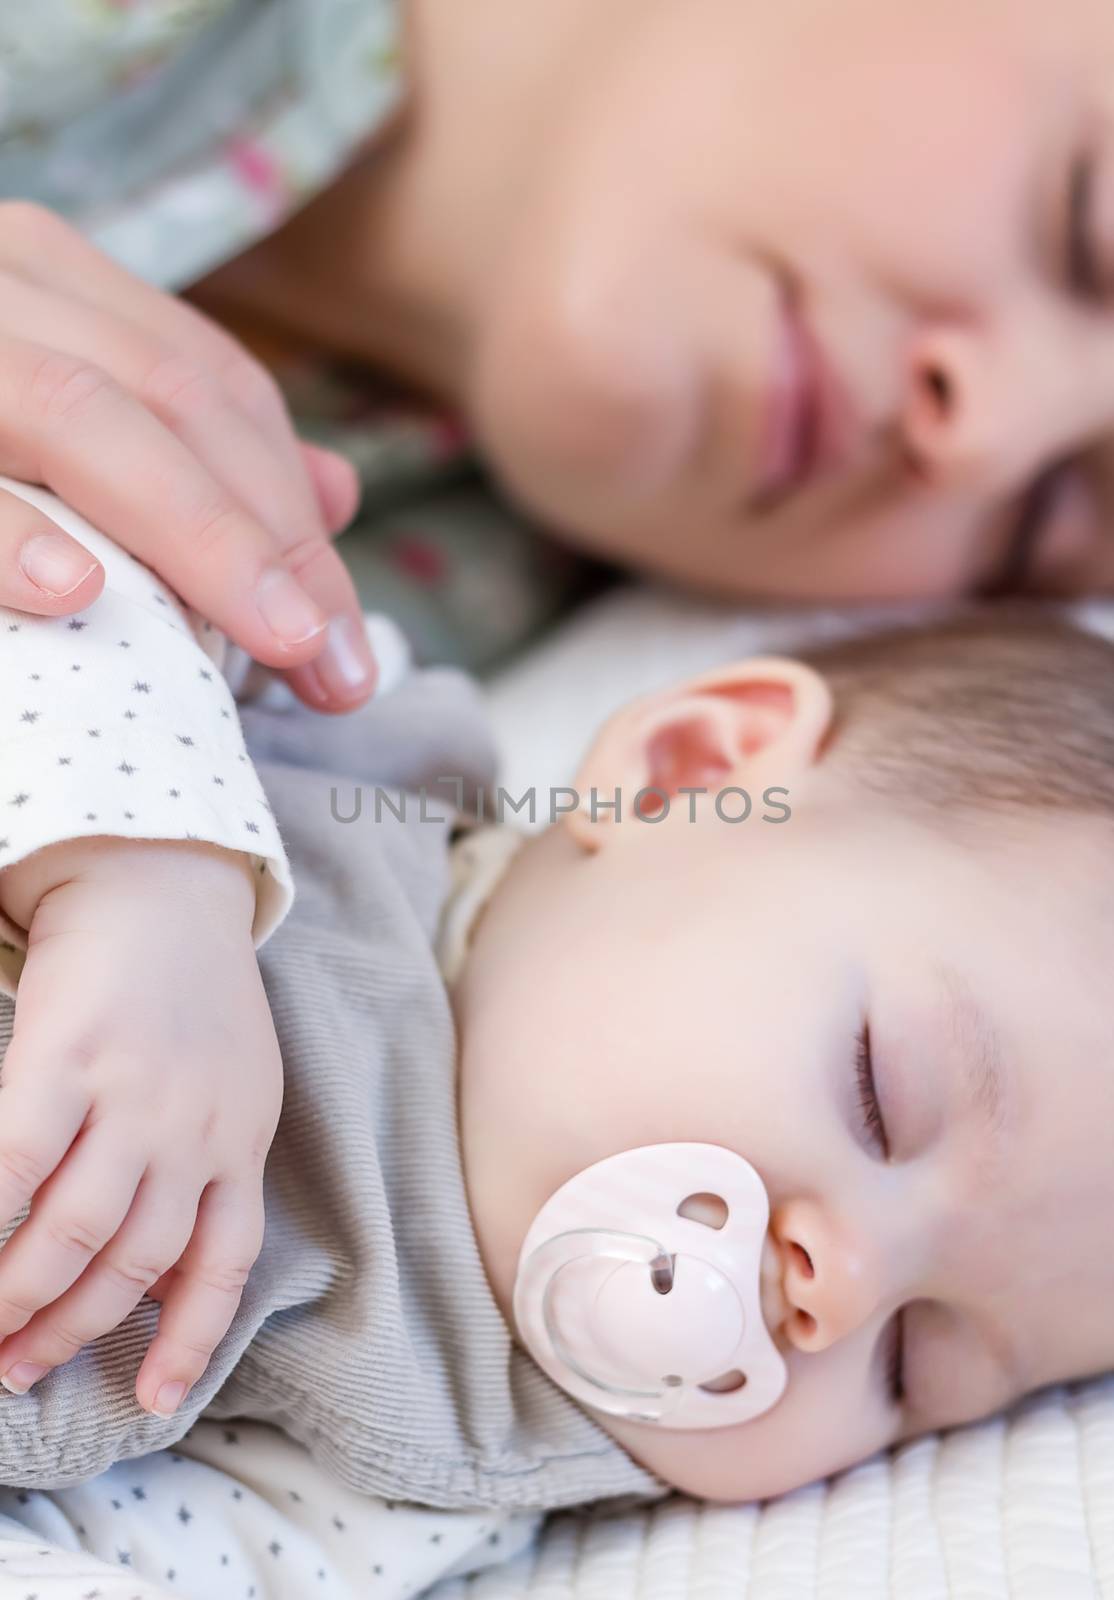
(832, 1280)
(992, 406)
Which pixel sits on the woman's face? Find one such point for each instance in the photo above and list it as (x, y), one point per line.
(816, 298)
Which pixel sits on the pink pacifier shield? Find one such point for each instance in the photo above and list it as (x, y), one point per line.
(638, 1288)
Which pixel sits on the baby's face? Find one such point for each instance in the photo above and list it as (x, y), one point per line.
(943, 1235)
(827, 284)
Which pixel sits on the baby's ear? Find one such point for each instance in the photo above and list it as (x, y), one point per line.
(763, 720)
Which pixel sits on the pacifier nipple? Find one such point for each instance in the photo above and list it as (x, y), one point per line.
(642, 1304)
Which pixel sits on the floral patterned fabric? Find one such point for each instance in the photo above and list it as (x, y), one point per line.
(175, 132)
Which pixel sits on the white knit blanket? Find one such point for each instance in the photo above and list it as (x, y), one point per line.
(1021, 1506)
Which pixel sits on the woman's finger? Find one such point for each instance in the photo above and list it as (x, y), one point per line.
(73, 1216)
(229, 446)
(336, 484)
(152, 1235)
(186, 395)
(43, 570)
(68, 424)
(201, 1296)
(43, 249)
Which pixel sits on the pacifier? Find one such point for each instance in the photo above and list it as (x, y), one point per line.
(638, 1288)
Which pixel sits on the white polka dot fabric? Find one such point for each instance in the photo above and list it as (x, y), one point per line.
(119, 721)
(236, 1512)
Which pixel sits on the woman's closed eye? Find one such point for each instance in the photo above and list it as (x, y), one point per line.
(1089, 274)
(1085, 268)
(1015, 571)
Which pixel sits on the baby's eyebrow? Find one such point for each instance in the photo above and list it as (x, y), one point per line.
(978, 1048)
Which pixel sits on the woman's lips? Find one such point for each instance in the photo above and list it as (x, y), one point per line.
(805, 425)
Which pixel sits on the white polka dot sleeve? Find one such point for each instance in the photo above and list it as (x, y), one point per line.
(119, 721)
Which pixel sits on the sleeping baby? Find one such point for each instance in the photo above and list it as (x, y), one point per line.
(750, 1118)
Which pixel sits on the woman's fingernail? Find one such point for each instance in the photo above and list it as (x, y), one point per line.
(18, 1379)
(55, 564)
(305, 681)
(345, 663)
(168, 1399)
(286, 608)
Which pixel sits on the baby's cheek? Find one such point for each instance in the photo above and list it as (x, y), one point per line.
(829, 1418)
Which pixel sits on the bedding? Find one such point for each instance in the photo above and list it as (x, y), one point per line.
(1019, 1507)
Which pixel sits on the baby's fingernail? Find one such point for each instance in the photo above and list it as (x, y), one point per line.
(345, 663)
(286, 608)
(55, 564)
(18, 1379)
(168, 1399)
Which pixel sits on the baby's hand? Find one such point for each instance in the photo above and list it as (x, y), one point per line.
(141, 1091)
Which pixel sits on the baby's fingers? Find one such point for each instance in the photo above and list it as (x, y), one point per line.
(73, 1217)
(201, 1296)
(40, 1117)
(150, 1239)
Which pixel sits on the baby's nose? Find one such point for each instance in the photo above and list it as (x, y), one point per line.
(831, 1281)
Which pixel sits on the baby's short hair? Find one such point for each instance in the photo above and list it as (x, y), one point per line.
(1006, 709)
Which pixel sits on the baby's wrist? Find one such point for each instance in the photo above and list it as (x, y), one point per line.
(139, 867)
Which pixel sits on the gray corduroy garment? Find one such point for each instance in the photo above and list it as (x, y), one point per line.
(367, 1329)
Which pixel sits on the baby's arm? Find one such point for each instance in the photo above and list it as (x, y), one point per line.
(142, 1085)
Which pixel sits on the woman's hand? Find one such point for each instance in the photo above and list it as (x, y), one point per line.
(158, 427)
